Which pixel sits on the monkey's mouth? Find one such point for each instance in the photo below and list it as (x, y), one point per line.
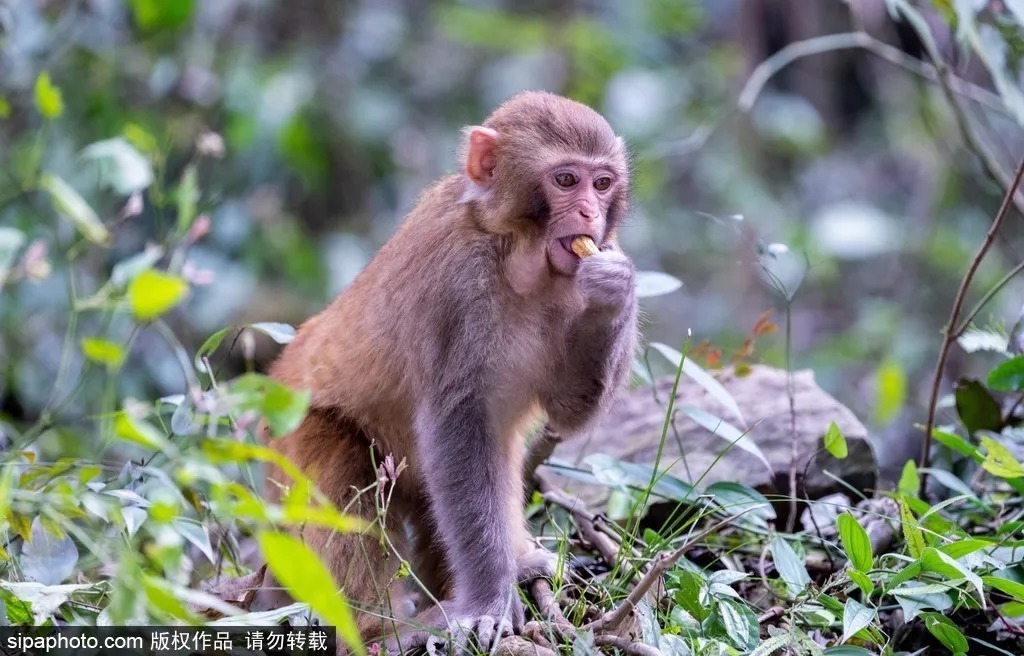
(566, 243)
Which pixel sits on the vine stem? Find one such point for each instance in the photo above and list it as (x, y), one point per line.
(950, 332)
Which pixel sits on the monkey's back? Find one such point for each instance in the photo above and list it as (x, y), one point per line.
(371, 351)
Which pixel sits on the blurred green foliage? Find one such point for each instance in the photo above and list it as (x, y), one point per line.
(172, 167)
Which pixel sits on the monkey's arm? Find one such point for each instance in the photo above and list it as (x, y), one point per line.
(468, 481)
(600, 344)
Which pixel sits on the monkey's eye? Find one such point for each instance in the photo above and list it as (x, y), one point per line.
(602, 183)
(566, 179)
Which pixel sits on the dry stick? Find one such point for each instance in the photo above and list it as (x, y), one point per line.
(517, 646)
(772, 613)
(547, 605)
(606, 543)
(954, 315)
(661, 564)
(627, 646)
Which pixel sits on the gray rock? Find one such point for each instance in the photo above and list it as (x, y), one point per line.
(632, 431)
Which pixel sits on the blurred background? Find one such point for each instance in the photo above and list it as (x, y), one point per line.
(792, 156)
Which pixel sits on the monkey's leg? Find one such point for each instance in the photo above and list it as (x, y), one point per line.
(338, 459)
(430, 564)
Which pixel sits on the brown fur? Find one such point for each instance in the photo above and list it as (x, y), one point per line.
(459, 331)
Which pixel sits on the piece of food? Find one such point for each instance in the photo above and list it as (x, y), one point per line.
(584, 246)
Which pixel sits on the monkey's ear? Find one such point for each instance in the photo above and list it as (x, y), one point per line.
(481, 155)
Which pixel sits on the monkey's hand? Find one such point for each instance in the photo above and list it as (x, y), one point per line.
(606, 280)
(538, 563)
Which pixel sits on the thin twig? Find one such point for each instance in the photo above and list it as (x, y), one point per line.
(661, 564)
(773, 613)
(857, 40)
(986, 298)
(594, 531)
(794, 442)
(954, 316)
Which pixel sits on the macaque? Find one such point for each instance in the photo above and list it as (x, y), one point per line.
(476, 316)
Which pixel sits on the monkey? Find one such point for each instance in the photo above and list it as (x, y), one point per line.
(474, 319)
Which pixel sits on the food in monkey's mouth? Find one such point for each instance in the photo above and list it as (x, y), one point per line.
(584, 246)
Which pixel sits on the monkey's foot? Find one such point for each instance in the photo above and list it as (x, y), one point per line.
(538, 564)
(446, 631)
(470, 635)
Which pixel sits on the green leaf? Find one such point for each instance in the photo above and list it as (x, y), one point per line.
(48, 558)
(914, 598)
(911, 531)
(156, 15)
(1012, 588)
(18, 612)
(304, 575)
(856, 616)
(890, 391)
(121, 166)
(835, 442)
(5, 108)
(856, 543)
(655, 283)
(790, 567)
(862, 580)
(103, 352)
(188, 198)
(208, 347)
(951, 481)
(999, 461)
(282, 333)
(281, 407)
(847, 650)
(621, 474)
(726, 431)
(910, 482)
(945, 631)
(141, 139)
(152, 293)
(1008, 376)
(142, 433)
(701, 377)
(939, 562)
(129, 268)
(197, 534)
(71, 205)
(691, 594)
(48, 98)
(962, 548)
(956, 443)
(976, 407)
(735, 498)
(740, 623)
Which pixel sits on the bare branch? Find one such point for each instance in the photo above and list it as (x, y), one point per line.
(950, 332)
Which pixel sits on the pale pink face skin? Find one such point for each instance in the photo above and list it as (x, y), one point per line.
(578, 195)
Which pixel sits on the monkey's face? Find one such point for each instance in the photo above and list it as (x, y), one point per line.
(579, 197)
